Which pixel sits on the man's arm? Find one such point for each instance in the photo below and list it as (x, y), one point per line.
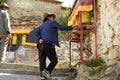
(61, 27)
(38, 35)
(7, 22)
(40, 41)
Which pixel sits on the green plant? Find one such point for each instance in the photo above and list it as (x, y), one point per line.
(97, 70)
(85, 31)
(63, 35)
(64, 17)
(96, 66)
(94, 63)
(2, 1)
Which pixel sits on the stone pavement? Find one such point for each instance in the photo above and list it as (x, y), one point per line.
(11, 71)
(8, 76)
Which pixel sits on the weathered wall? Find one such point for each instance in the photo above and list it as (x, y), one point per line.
(32, 11)
(28, 55)
(109, 28)
(108, 31)
(109, 36)
(63, 54)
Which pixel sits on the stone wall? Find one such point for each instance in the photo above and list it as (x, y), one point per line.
(63, 54)
(108, 33)
(109, 28)
(32, 11)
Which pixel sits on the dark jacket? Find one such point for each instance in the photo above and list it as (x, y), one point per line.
(48, 31)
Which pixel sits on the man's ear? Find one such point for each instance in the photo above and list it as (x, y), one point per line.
(48, 18)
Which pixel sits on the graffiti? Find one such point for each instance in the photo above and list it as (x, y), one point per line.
(26, 54)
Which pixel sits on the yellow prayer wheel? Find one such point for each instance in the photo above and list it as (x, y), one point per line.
(86, 17)
(23, 39)
(14, 39)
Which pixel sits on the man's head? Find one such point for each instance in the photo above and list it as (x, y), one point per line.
(4, 6)
(49, 17)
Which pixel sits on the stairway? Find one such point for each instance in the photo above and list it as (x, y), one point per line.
(18, 69)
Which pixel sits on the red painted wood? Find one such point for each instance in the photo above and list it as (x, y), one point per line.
(92, 29)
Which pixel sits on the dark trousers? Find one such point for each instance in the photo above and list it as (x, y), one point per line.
(47, 50)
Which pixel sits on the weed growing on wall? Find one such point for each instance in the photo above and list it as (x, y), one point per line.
(96, 66)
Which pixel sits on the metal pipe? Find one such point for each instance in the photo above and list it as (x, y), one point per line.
(70, 54)
(81, 38)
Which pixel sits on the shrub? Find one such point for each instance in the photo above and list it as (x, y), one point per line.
(1, 1)
(96, 66)
(94, 63)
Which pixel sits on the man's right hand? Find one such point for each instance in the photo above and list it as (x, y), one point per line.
(9, 35)
(75, 27)
(41, 41)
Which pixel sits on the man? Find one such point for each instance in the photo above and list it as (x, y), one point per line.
(5, 31)
(47, 36)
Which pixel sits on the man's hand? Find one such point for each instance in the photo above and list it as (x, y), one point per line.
(75, 27)
(41, 41)
(9, 35)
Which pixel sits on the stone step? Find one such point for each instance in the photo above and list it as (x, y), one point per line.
(18, 71)
(8, 76)
(28, 69)
(18, 66)
(32, 72)
(59, 78)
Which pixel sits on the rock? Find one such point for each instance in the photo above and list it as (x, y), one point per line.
(63, 64)
(118, 78)
(93, 78)
(104, 57)
(116, 40)
(107, 78)
(118, 68)
(113, 53)
(109, 71)
(112, 63)
(82, 73)
(112, 72)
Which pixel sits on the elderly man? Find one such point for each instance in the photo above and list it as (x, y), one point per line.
(47, 36)
(5, 31)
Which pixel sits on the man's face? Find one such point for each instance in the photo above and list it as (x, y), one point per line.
(51, 18)
(5, 8)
